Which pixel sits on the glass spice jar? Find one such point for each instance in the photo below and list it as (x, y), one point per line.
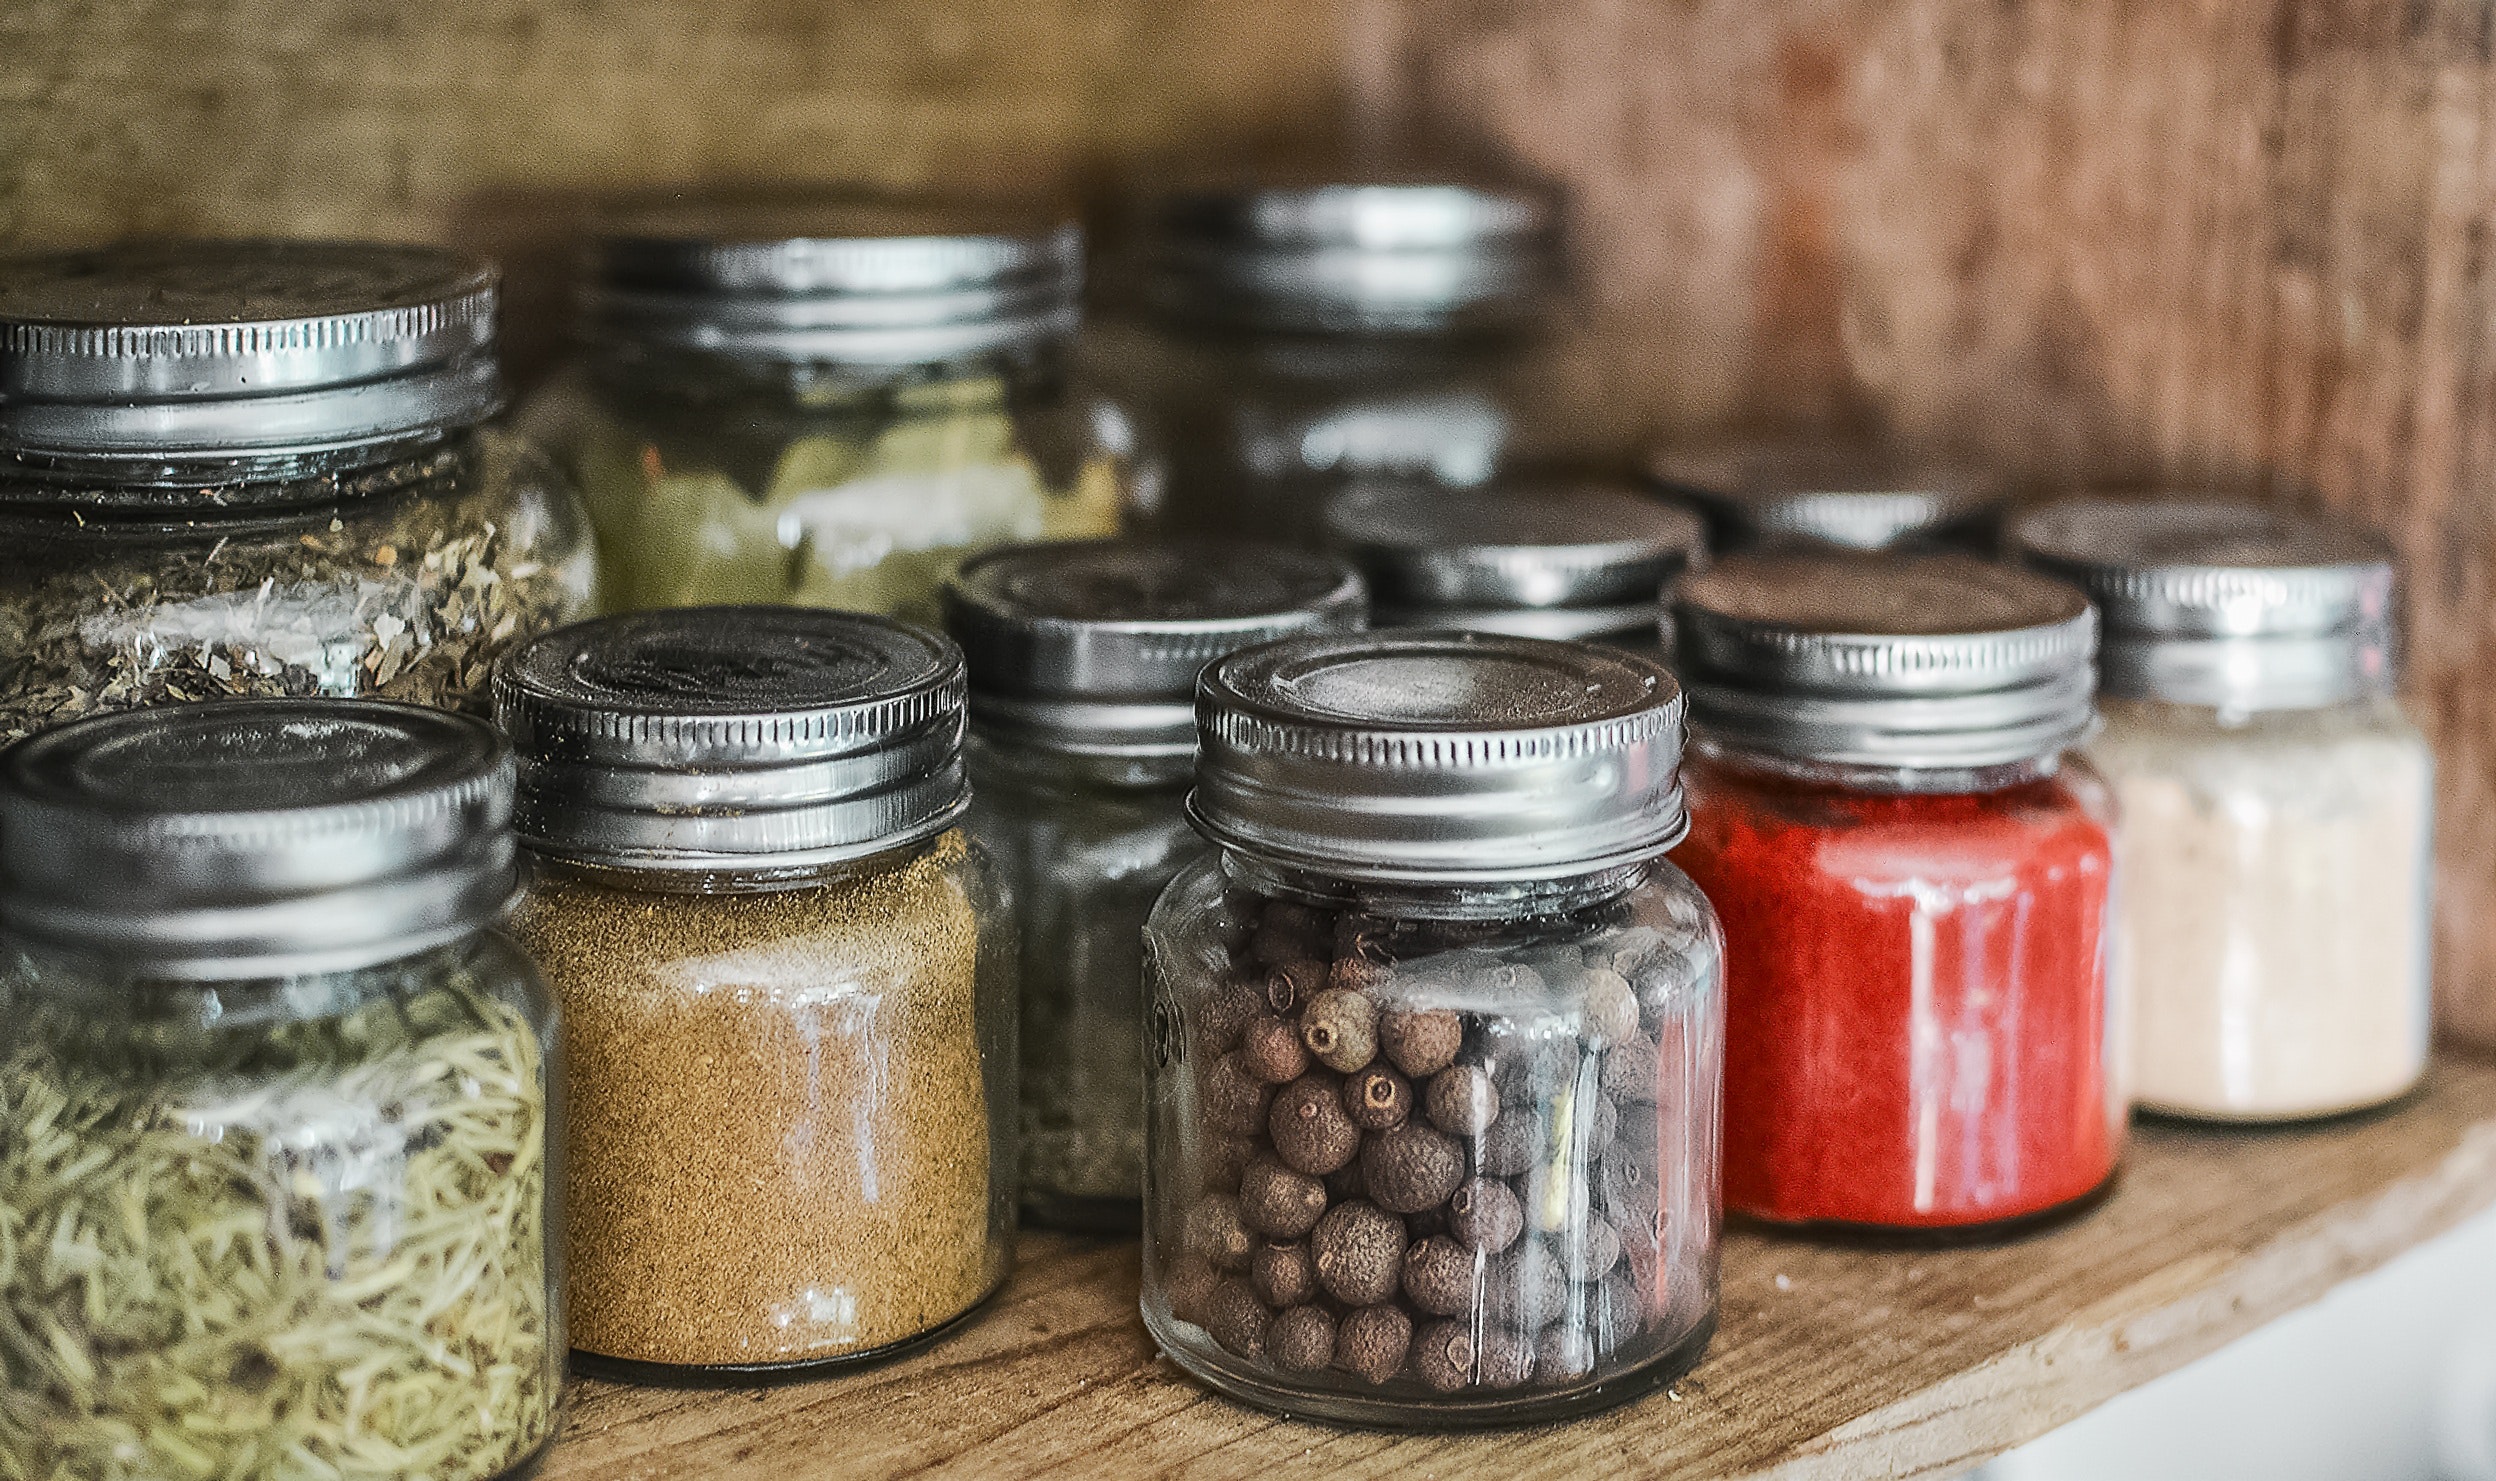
(787, 981)
(827, 403)
(1544, 560)
(2277, 804)
(1276, 340)
(1083, 662)
(257, 468)
(1852, 493)
(1436, 1038)
(278, 1108)
(1914, 874)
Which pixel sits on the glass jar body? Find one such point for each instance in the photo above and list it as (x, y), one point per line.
(1923, 1026)
(792, 1143)
(398, 580)
(714, 479)
(1427, 1159)
(2277, 870)
(281, 1226)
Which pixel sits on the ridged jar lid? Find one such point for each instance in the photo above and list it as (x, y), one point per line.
(1856, 495)
(841, 280)
(1426, 548)
(202, 348)
(1439, 757)
(1095, 645)
(1886, 660)
(256, 837)
(733, 738)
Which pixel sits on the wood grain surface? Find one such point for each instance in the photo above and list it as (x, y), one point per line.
(1831, 1361)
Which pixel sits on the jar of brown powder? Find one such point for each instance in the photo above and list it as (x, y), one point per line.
(787, 983)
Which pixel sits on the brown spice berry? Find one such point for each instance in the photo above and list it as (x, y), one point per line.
(1357, 935)
(1609, 1006)
(1293, 919)
(1411, 1168)
(1588, 1252)
(1506, 1359)
(1341, 1029)
(1421, 1041)
(1226, 1010)
(1486, 1215)
(1225, 1158)
(1377, 1098)
(1524, 1288)
(1344, 1183)
(1564, 1352)
(1511, 1146)
(1359, 974)
(1630, 1070)
(1443, 1355)
(1359, 1249)
(1620, 1316)
(1301, 1340)
(1372, 1342)
(1601, 1124)
(1190, 1287)
(1278, 1202)
(1270, 1048)
(1630, 1197)
(1215, 1232)
(1308, 1126)
(1439, 1277)
(1284, 1274)
(1234, 1100)
(1237, 1319)
(1463, 1102)
(1293, 983)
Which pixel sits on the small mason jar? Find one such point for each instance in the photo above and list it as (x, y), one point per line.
(1915, 876)
(824, 403)
(1579, 561)
(257, 468)
(1436, 1038)
(787, 979)
(1083, 663)
(1274, 341)
(279, 1111)
(1851, 493)
(2277, 805)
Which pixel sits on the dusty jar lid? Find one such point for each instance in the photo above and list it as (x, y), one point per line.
(850, 281)
(1094, 646)
(2225, 604)
(256, 837)
(1854, 495)
(206, 348)
(1908, 661)
(724, 739)
(1439, 757)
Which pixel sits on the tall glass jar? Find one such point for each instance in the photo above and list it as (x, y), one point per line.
(1915, 876)
(1851, 493)
(788, 982)
(824, 403)
(1437, 1038)
(279, 1112)
(257, 468)
(1083, 661)
(1278, 340)
(2278, 806)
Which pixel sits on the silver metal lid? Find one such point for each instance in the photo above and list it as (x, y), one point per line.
(172, 348)
(1572, 545)
(259, 837)
(849, 281)
(1910, 661)
(2220, 603)
(1094, 646)
(716, 739)
(1381, 256)
(1850, 494)
(1438, 757)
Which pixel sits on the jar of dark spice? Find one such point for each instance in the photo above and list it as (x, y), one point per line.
(257, 468)
(787, 981)
(1914, 872)
(1083, 661)
(1852, 493)
(1436, 1037)
(277, 1102)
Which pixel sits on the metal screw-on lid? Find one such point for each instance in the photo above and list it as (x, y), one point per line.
(849, 281)
(174, 348)
(1926, 661)
(257, 837)
(2220, 603)
(1094, 646)
(1854, 495)
(721, 739)
(1385, 256)
(1438, 757)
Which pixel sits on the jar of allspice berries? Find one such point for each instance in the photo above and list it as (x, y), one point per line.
(1436, 1037)
(786, 980)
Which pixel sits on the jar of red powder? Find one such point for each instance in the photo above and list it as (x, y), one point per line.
(1914, 877)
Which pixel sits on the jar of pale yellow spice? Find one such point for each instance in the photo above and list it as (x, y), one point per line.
(786, 985)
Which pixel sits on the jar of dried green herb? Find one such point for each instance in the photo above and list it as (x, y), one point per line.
(1083, 661)
(277, 1111)
(257, 468)
(787, 982)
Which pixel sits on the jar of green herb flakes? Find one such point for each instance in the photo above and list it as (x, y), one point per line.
(825, 403)
(1083, 662)
(258, 468)
(277, 1102)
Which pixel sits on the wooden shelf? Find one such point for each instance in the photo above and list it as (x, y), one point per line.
(1831, 1361)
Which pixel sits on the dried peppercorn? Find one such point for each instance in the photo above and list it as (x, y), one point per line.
(1439, 1277)
(1278, 1202)
(1359, 974)
(1234, 1100)
(1359, 1249)
(1226, 1011)
(1371, 1343)
(1564, 1353)
(1630, 1071)
(1411, 1168)
(1511, 1146)
(1610, 1008)
(1503, 1359)
(1217, 1232)
(1284, 1274)
(1421, 1041)
(1486, 1215)
(1377, 1098)
(1463, 1102)
(1525, 1287)
(1189, 1285)
(1301, 1339)
(1237, 1319)
(1292, 983)
(1443, 1354)
(1589, 1251)
(1340, 1027)
(1309, 1128)
(1270, 1049)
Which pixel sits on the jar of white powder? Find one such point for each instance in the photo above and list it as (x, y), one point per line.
(2274, 875)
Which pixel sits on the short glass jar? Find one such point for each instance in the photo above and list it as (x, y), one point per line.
(256, 468)
(2278, 807)
(1915, 876)
(1083, 662)
(279, 1111)
(787, 980)
(1436, 1038)
(1849, 492)
(824, 403)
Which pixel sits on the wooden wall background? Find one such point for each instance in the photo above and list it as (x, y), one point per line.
(2241, 243)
